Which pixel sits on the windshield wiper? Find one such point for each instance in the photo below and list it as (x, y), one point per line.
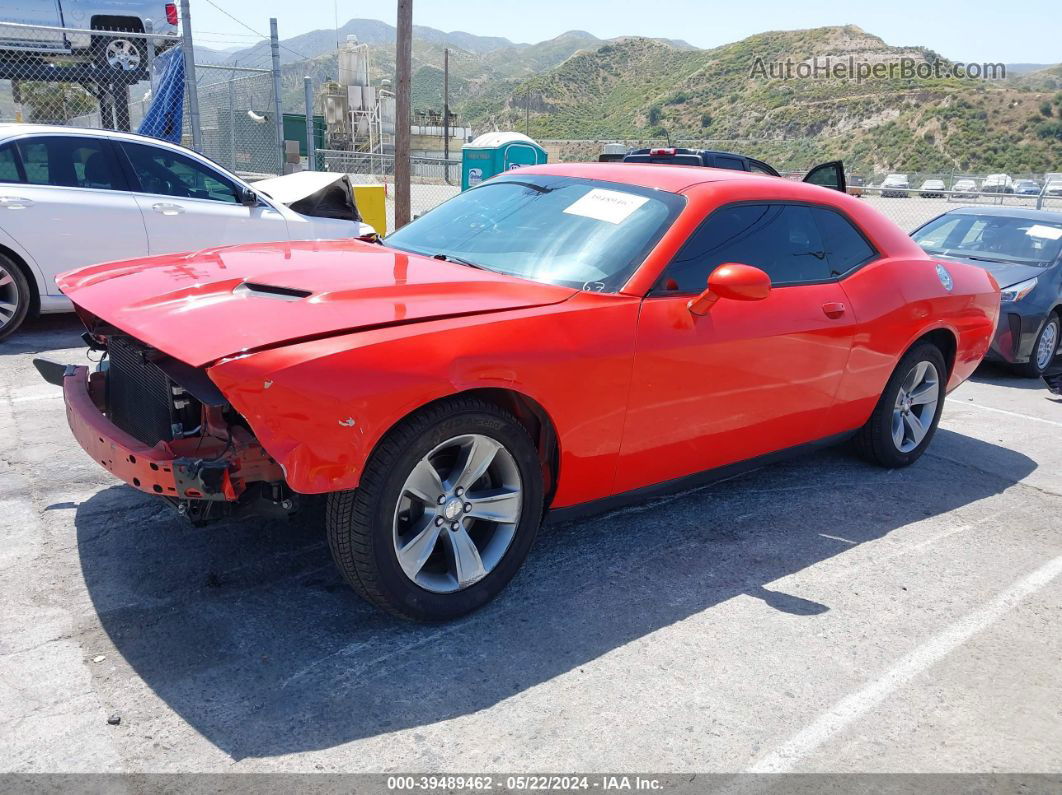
(458, 260)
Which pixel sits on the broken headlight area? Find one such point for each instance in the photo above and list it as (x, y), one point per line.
(165, 428)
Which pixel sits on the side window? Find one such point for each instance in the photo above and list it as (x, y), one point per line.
(781, 239)
(69, 163)
(9, 165)
(761, 168)
(845, 247)
(733, 163)
(171, 174)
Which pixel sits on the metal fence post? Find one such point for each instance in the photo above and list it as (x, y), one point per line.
(274, 46)
(311, 144)
(190, 84)
(232, 121)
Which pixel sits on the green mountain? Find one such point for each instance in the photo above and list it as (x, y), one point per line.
(639, 88)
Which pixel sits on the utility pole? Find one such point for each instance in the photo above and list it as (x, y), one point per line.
(190, 85)
(446, 114)
(527, 113)
(403, 99)
(274, 46)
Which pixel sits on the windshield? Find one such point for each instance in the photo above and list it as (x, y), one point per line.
(572, 232)
(993, 238)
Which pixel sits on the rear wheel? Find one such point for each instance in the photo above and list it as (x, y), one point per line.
(908, 411)
(119, 53)
(448, 507)
(1044, 349)
(14, 297)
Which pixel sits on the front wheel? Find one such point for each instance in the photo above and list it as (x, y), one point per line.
(446, 512)
(1044, 349)
(908, 411)
(14, 297)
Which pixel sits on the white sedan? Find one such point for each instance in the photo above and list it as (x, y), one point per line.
(71, 197)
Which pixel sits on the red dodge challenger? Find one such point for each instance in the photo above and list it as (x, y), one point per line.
(559, 338)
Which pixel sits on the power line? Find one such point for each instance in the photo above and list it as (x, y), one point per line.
(255, 32)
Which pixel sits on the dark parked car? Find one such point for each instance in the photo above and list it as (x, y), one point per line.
(1022, 249)
(827, 175)
(1027, 187)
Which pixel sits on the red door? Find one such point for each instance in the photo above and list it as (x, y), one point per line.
(748, 378)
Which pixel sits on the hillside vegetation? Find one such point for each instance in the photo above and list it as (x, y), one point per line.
(581, 87)
(640, 88)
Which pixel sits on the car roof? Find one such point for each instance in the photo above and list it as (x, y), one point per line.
(12, 129)
(660, 176)
(1051, 216)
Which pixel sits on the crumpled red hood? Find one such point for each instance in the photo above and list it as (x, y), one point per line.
(220, 302)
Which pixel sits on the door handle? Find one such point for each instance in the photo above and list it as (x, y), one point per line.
(15, 202)
(167, 209)
(833, 309)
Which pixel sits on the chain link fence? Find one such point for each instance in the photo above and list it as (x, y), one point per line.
(98, 76)
(237, 119)
(432, 180)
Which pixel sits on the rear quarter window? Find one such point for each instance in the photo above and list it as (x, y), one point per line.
(9, 165)
(845, 246)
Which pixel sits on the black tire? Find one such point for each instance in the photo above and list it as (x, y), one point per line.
(14, 289)
(874, 441)
(133, 52)
(1031, 369)
(360, 522)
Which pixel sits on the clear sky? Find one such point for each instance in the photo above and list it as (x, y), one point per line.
(1019, 31)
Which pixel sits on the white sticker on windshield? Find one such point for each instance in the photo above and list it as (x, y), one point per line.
(1039, 230)
(612, 206)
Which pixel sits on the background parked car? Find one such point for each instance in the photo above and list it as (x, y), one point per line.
(1022, 249)
(896, 186)
(964, 189)
(997, 183)
(932, 189)
(1027, 187)
(73, 197)
(125, 53)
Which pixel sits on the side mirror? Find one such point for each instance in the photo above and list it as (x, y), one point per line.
(735, 281)
(248, 198)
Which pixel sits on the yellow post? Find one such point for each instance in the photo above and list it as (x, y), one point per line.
(372, 204)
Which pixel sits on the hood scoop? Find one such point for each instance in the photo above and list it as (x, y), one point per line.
(273, 291)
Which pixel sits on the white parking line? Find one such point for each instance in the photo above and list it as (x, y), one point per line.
(956, 404)
(33, 398)
(802, 744)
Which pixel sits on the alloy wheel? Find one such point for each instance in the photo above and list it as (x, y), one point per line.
(915, 407)
(9, 298)
(1045, 349)
(457, 513)
(123, 55)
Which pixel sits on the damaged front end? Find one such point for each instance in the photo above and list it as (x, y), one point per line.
(164, 428)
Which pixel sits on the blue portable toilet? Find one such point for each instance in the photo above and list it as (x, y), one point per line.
(495, 152)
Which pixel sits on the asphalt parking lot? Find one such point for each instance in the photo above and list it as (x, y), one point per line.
(819, 615)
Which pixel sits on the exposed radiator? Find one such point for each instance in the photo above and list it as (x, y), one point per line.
(139, 395)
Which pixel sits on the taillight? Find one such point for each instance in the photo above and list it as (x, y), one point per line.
(171, 13)
(662, 152)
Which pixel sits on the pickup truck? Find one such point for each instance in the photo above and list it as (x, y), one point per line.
(828, 175)
(69, 27)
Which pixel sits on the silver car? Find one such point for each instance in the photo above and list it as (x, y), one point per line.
(36, 28)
